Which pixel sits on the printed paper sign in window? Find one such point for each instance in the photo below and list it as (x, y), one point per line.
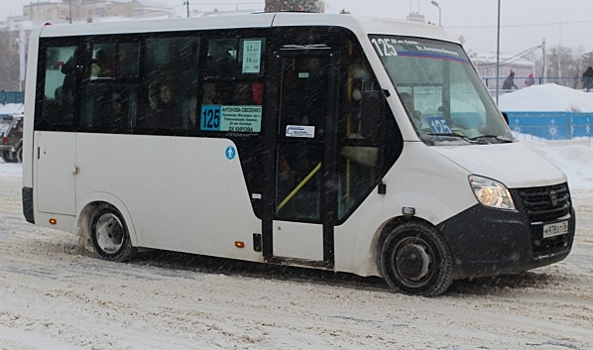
(251, 56)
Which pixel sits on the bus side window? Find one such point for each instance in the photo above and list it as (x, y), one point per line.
(233, 77)
(108, 106)
(170, 83)
(60, 78)
(109, 88)
(222, 57)
(365, 153)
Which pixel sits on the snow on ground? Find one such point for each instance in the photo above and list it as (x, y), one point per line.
(546, 98)
(55, 295)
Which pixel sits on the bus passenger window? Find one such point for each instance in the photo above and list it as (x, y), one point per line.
(104, 61)
(171, 83)
(222, 57)
(59, 89)
(363, 148)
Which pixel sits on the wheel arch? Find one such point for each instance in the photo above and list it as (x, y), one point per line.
(389, 225)
(88, 205)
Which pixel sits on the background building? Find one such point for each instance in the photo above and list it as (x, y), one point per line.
(89, 11)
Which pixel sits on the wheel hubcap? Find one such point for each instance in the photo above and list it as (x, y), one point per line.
(110, 233)
(413, 261)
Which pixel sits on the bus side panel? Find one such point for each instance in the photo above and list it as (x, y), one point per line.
(30, 104)
(183, 194)
(422, 179)
(55, 170)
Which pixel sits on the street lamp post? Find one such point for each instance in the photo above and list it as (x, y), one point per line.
(498, 53)
(437, 5)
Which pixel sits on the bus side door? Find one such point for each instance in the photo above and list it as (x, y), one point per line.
(299, 225)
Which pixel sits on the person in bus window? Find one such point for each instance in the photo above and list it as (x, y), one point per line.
(104, 66)
(211, 95)
(117, 109)
(69, 88)
(166, 113)
(220, 61)
(243, 95)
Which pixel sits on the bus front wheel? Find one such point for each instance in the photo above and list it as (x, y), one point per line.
(415, 260)
(109, 235)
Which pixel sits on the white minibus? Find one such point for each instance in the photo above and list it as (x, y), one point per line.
(335, 142)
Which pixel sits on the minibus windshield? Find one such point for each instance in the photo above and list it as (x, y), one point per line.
(442, 93)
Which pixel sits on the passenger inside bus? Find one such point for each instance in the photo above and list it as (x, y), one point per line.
(220, 60)
(211, 95)
(243, 95)
(103, 65)
(166, 112)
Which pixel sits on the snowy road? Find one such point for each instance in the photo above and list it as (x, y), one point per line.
(55, 295)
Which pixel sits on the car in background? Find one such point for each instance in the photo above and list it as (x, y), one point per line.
(11, 138)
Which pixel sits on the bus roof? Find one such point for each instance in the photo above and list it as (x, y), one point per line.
(360, 25)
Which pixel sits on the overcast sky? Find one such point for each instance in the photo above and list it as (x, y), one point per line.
(524, 23)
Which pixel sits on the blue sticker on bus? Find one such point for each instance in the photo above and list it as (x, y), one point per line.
(211, 118)
(230, 152)
(439, 125)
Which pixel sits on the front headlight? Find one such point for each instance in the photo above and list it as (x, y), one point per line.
(491, 193)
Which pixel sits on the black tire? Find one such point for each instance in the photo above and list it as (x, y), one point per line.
(416, 260)
(9, 157)
(109, 235)
(19, 153)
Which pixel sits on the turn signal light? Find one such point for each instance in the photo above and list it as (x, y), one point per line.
(239, 244)
(53, 221)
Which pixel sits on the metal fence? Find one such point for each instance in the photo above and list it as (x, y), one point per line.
(552, 125)
(12, 97)
(521, 82)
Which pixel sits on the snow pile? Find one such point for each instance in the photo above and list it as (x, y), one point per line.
(546, 98)
(574, 158)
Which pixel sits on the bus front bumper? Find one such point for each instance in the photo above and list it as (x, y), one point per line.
(487, 242)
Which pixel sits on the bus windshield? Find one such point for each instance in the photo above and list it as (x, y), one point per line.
(441, 92)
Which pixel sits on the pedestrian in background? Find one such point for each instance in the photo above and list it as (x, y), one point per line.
(530, 80)
(588, 78)
(509, 82)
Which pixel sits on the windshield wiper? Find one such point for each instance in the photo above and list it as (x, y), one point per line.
(451, 134)
(503, 139)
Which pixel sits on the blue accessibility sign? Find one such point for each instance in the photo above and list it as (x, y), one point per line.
(230, 152)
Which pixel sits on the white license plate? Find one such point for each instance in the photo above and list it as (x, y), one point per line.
(555, 229)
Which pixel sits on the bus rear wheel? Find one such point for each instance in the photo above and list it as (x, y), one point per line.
(109, 235)
(415, 260)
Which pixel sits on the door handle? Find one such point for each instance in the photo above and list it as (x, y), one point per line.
(75, 171)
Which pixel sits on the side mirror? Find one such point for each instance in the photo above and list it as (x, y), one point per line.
(506, 117)
(372, 113)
